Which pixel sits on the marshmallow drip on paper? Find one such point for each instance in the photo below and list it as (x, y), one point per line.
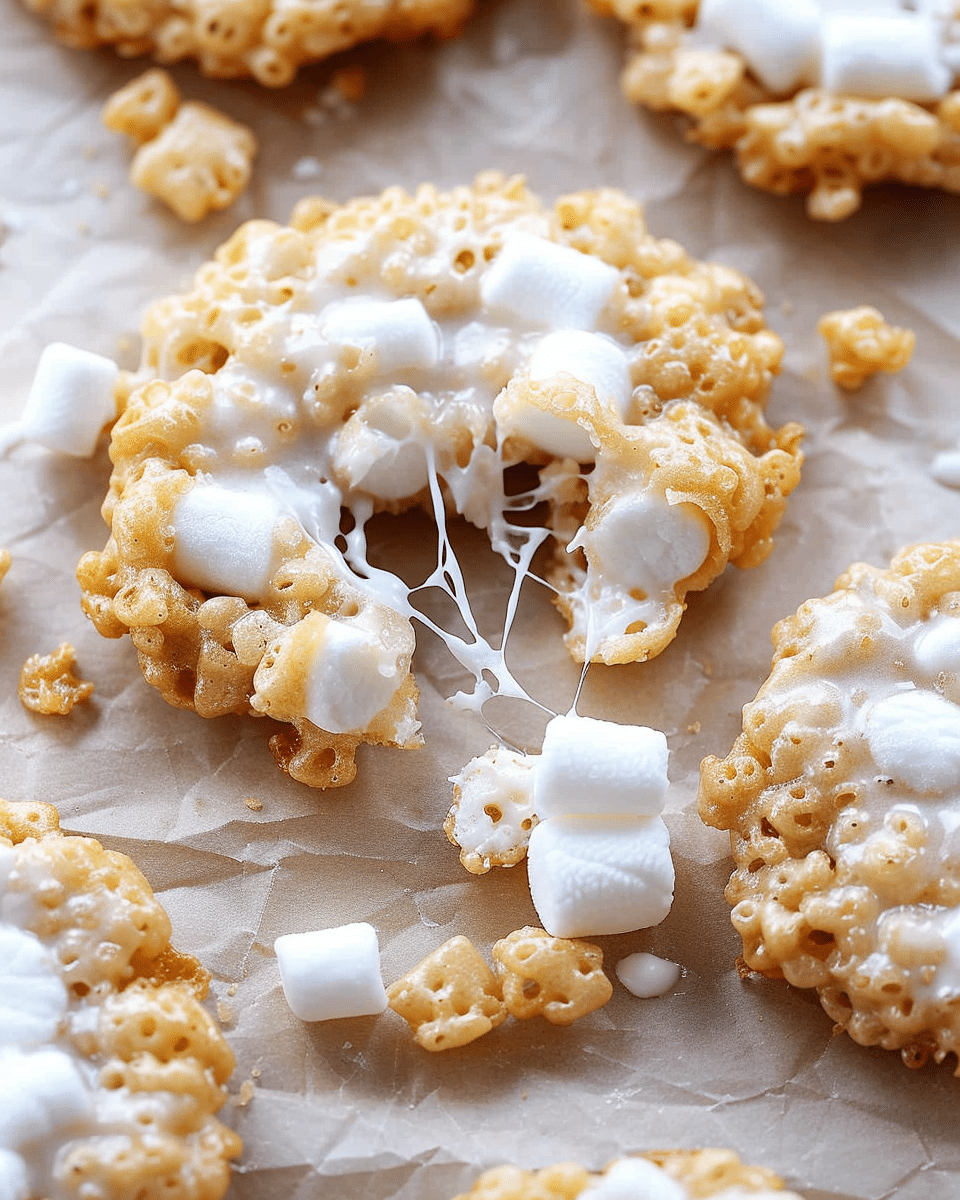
(408, 350)
(842, 798)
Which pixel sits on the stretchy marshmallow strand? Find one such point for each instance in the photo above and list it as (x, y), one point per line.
(69, 402)
(332, 973)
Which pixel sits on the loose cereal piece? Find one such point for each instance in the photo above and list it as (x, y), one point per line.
(48, 684)
(450, 998)
(119, 1067)
(672, 1174)
(492, 812)
(143, 107)
(861, 343)
(199, 163)
(329, 365)
(5, 561)
(789, 134)
(555, 978)
(230, 39)
(839, 796)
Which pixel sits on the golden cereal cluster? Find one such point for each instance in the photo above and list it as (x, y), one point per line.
(189, 155)
(48, 685)
(452, 997)
(841, 882)
(703, 1173)
(829, 146)
(232, 39)
(161, 1061)
(861, 343)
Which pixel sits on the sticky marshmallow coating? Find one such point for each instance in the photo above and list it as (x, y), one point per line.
(70, 400)
(841, 798)
(855, 94)
(493, 809)
(635, 1179)
(597, 875)
(100, 1024)
(600, 768)
(332, 973)
(373, 356)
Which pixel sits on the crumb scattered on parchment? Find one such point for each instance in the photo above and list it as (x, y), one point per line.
(255, 1072)
(245, 1095)
(101, 190)
(254, 804)
(5, 561)
(232, 989)
(694, 728)
(339, 98)
(861, 343)
(225, 1013)
(48, 684)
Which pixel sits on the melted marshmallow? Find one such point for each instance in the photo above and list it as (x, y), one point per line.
(646, 975)
(635, 1179)
(914, 737)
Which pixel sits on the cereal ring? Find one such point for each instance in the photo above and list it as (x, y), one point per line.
(404, 350)
(839, 797)
(672, 1174)
(112, 1069)
(556, 978)
(230, 39)
(809, 100)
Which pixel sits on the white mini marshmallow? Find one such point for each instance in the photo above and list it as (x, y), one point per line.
(635, 1179)
(70, 400)
(332, 973)
(224, 540)
(596, 875)
(547, 285)
(646, 975)
(14, 1177)
(40, 1094)
(352, 679)
(598, 768)
(779, 40)
(885, 55)
(33, 999)
(914, 737)
(938, 646)
(400, 330)
(945, 468)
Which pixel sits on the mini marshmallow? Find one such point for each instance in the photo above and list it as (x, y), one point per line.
(635, 1179)
(599, 768)
(400, 330)
(332, 973)
(937, 648)
(779, 40)
(945, 468)
(547, 285)
(646, 975)
(14, 1177)
(69, 402)
(517, 413)
(382, 451)
(597, 875)
(877, 56)
(33, 999)
(40, 1094)
(914, 737)
(224, 540)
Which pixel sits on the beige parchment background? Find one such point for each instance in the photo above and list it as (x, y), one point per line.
(354, 1109)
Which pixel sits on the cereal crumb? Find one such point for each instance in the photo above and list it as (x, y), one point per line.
(247, 1091)
(254, 804)
(225, 1013)
(350, 82)
(48, 685)
(101, 190)
(694, 728)
(5, 561)
(255, 1072)
(232, 989)
(861, 343)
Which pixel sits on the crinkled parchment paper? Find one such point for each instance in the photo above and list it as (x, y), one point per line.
(355, 1108)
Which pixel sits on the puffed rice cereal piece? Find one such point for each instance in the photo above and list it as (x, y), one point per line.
(396, 351)
(840, 798)
(861, 343)
(48, 685)
(450, 998)
(492, 812)
(231, 39)
(557, 978)
(795, 124)
(672, 1174)
(113, 1069)
(143, 107)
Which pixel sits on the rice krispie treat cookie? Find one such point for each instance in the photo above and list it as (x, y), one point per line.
(811, 96)
(230, 39)
(840, 796)
(112, 1069)
(409, 350)
(666, 1174)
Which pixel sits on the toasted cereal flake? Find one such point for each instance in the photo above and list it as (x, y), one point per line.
(840, 795)
(556, 978)
(48, 684)
(861, 343)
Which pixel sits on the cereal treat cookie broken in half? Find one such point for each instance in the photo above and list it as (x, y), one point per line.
(408, 350)
(231, 39)
(111, 1068)
(841, 796)
(666, 1174)
(811, 96)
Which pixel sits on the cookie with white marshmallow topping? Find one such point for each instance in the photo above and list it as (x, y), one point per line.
(841, 799)
(408, 350)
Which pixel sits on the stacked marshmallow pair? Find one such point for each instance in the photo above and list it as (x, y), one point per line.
(869, 48)
(599, 860)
